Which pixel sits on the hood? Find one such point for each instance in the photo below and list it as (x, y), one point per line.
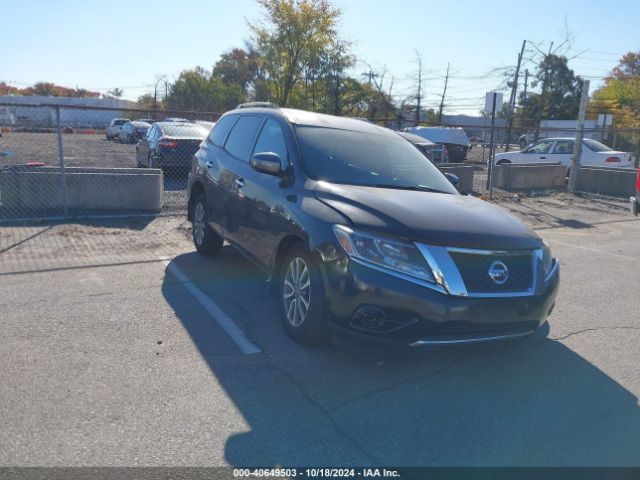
(432, 218)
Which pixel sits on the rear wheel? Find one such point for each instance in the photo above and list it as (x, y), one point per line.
(301, 297)
(206, 241)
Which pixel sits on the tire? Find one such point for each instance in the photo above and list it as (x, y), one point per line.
(305, 325)
(502, 162)
(206, 241)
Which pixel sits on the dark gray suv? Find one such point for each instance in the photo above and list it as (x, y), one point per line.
(360, 234)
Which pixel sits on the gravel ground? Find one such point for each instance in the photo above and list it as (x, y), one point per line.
(90, 150)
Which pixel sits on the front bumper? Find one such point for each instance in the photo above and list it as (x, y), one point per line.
(372, 305)
(634, 204)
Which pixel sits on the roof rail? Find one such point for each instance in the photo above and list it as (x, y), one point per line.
(257, 105)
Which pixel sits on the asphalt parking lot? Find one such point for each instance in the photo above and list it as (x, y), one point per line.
(117, 350)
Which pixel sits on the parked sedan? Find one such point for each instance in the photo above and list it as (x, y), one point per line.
(131, 132)
(360, 234)
(560, 150)
(170, 145)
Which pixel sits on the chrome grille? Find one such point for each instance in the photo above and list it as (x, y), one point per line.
(474, 271)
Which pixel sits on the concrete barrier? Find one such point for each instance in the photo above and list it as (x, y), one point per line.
(463, 172)
(616, 182)
(528, 177)
(38, 189)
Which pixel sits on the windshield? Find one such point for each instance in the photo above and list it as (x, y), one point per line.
(191, 130)
(358, 158)
(596, 146)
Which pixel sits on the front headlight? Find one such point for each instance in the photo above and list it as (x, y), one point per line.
(547, 259)
(395, 255)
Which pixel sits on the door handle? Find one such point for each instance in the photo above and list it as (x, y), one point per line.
(208, 164)
(240, 182)
(543, 158)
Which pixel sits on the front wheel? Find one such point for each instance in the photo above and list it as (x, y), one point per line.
(503, 162)
(206, 241)
(301, 297)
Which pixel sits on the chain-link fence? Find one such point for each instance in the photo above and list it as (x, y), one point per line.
(71, 162)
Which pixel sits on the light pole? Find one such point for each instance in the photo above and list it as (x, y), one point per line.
(155, 90)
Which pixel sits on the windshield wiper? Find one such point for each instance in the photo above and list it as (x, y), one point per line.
(416, 188)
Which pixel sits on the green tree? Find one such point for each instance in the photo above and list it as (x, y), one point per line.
(299, 44)
(559, 97)
(115, 93)
(198, 90)
(145, 101)
(620, 95)
(238, 67)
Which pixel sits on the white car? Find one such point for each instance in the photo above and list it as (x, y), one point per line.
(114, 127)
(560, 150)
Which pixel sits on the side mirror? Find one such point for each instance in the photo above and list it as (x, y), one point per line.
(452, 178)
(267, 162)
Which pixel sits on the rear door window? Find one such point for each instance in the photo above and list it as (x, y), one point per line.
(242, 137)
(563, 146)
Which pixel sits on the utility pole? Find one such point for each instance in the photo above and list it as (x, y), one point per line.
(577, 145)
(371, 77)
(491, 146)
(419, 96)
(512, 99)
(444, 92)
(524, 104)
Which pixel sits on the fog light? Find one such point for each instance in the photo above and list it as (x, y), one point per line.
(368, 317)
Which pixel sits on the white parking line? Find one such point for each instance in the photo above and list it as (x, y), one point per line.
(228, 325)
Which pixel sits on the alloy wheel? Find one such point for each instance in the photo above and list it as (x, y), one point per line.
(198, 224)
(296, 292)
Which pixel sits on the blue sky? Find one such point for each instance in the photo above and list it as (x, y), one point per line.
(104, 44)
